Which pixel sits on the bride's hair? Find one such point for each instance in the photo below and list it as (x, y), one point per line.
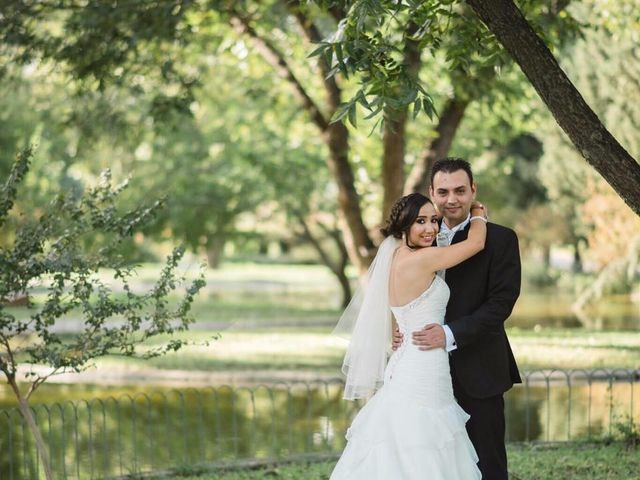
(403, 213)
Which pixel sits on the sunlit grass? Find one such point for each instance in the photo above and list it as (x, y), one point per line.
(307, 351)
(241, 293)
(576, 349)
(277, 318)
(293, 350)
(526, 462)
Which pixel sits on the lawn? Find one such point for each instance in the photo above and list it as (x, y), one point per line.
(314, 349)
(274, 322)
(526, 462)
(306, 353)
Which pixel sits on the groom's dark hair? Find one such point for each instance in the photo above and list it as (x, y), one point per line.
(450, 165)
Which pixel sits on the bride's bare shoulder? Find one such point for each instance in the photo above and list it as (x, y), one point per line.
(406, 257)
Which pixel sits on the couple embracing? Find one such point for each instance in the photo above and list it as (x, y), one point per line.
(437, 410)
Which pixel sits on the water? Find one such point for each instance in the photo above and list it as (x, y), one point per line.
(128, 430)
(551, 309)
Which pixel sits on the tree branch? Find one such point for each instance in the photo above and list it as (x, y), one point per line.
(359, 243)
(277, 60)
(335, 135)
(394, 135)
(338, 269)
(39, 381)
(315, 243)
(8, 366)
(313, 35)
(419, 178)
(334, 233)
(596, 144)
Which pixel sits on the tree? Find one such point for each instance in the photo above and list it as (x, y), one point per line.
(367, 50)
(604, 66)
(146, 37)
(57, 250)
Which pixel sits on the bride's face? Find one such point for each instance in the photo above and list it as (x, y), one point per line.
(425, 227)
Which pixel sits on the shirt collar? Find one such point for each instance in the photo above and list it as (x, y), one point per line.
(445, 229)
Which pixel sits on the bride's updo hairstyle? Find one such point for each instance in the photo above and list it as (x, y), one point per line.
(403, 213)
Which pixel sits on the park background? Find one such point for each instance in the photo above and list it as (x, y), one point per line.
(218, 109)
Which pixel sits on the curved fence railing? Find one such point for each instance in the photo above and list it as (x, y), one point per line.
(115, 437)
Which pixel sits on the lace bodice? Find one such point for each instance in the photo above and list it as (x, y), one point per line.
(428, 307)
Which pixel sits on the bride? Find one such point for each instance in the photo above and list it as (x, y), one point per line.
(412, 427)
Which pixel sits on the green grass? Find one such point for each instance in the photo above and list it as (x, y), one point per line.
(526, 462)
(575, 348)
(266, 293)
(311, 350)
(583, 462)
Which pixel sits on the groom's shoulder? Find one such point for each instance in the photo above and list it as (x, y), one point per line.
(497, 231)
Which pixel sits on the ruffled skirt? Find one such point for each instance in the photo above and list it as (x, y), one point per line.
(397, 437)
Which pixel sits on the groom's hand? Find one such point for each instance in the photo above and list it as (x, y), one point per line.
(430, 337)
(397, 338)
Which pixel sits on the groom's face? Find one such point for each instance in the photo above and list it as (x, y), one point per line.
(452, 193)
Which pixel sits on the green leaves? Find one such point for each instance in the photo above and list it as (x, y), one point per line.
(57, 252)
(10, 188)
(372, 43)
(375, 40)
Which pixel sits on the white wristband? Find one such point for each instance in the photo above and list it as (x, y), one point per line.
(478, 217)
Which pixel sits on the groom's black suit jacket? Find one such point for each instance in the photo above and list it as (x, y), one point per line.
(484, 290)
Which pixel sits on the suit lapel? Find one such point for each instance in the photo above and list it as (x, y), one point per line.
(461, 235)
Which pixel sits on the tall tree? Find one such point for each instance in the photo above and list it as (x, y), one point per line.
(367, 50)
(604, 65)
(150, 38)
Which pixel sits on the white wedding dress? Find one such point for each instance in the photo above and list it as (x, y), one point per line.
(412, 428)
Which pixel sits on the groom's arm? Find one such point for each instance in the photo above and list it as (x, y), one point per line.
(503, 289)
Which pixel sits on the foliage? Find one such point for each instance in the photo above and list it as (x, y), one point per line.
(57, 251)
(186, 104)
(603, 65)
(370, 42)
(627, 431)
(205, 154)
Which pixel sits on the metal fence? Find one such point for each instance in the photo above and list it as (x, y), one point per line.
(115, 437)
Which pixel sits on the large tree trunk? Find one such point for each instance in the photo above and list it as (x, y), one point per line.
(359, 245)
(336, 136)
(599, 148)
(393, 159)
(215, 249)
(394, 137)
(338, 268)
(419, 178)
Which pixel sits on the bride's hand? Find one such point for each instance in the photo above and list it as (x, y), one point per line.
(478, 209)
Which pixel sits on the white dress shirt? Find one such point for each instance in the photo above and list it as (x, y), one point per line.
(444, 239)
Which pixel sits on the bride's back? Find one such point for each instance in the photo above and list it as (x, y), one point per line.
(407, 279)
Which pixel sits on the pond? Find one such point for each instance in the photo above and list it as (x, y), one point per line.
(553, 310)
(125, 430)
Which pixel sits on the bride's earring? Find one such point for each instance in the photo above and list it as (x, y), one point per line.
(406, 240)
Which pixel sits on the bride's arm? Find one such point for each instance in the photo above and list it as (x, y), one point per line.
(446, 257)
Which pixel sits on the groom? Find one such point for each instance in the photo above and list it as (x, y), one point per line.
(484, 289)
